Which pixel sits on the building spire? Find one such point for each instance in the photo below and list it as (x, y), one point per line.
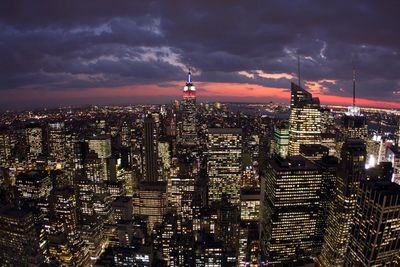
(354, 87)
(189, 79)
(298, 68)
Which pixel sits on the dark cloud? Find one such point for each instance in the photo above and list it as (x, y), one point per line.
(67, 45)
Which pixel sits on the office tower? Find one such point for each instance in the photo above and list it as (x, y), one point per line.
(56, 141)
(249, 245)
(313, 151)
(374, 239)
(342, 207)
(101, 145)
(151, 200)
(393, 156)
(327, 121)
(34, 185)
(5, 148)
(355, 123)
(34, 138)
(150, 150)
(224, 164)
(189, 131)
(183, 183)
(382, 171)
(227, 223)
(249, 204)
(291, 210)
(122, 208)
(65, 244)
(19, 240)
(94, 171)
(281, 140)
(126, 134)
(305, 120)
(164, 156)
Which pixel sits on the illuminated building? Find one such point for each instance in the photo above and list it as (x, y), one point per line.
(34, 184)
(224, 164)
(355, 123)
(183, 187)
(56, 141)
(34, 139)
(19, 240)
(249, 245)
(281, 140)
(374, 239)
(151, 168)
(65, 243)
(151, 200)
(291, 210)
(327, 121)
(249, 204)
(342, 207)
(126, 134)
(393, 156)
(101, 145)
(189, 131)
(5, 148)
(304, 121)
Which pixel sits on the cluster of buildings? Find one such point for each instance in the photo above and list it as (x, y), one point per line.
(191, 184)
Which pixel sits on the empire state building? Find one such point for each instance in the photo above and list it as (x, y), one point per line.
(189, 132)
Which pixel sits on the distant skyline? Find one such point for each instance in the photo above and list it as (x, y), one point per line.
(99, 52)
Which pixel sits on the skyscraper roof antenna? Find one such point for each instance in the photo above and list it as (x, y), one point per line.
(189, 80)
(298, 68)
(354, 86)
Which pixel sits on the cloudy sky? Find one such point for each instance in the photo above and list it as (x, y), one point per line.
(56, 53)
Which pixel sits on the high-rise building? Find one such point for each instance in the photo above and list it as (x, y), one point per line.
(281, 140)
(65, 244)
(19, 239)
(341, 211)
(224, 164)
(5, 148)
(151, 168)
(34, 184)
(34, 138)
(189, 131)
(355, 123)
(291, 209)
(56, 141)
(151, 201)
(374, 239)
(305, 120)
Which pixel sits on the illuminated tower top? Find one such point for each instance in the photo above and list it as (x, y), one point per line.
(354, 110)
(189, 91)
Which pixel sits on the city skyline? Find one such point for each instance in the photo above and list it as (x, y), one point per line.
(98, 54)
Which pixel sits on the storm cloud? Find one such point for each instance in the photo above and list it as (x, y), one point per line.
(80, 45)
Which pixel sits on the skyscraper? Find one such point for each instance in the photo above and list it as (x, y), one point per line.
(355, 123)
(305, 119)
(342, 207)
(189, 131)
(374, 239)
(291, 209)
(224, 164)
(56, 141)
(150, 150)
(19, 240)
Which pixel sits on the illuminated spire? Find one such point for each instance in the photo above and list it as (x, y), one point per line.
(189, 79)
(354, 87)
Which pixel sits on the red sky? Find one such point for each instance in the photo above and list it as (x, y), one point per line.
(173, 90)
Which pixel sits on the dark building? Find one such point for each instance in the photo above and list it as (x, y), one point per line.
(150, 150)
